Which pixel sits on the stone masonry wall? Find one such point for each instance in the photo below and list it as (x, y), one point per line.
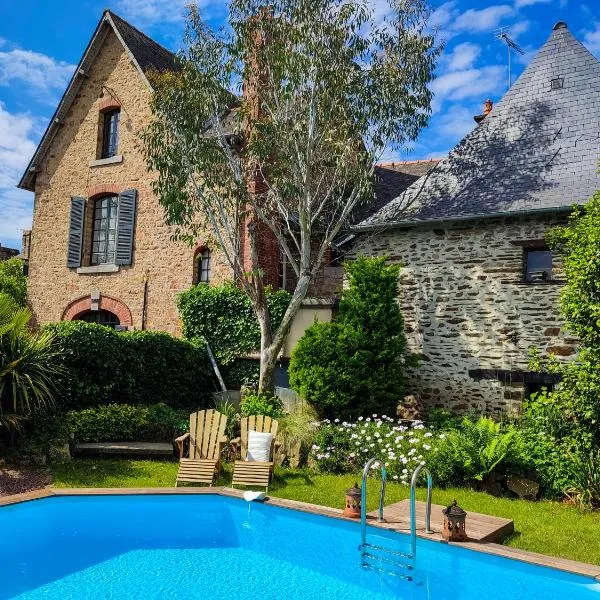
(466, 307)
(66, 172)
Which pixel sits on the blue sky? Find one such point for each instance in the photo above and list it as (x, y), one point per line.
(41, 42)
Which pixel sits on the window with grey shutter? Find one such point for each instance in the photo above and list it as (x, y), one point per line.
(125, 226)
(76, 221)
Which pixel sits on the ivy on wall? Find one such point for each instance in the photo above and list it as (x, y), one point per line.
(223, 316)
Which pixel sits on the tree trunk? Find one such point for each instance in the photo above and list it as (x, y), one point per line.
(271, 345)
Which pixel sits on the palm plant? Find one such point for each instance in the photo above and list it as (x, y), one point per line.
(29, 365)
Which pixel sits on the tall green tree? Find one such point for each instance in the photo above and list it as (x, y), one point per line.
(573, 408)
(356, 365)
(331, 87)
(12, 280)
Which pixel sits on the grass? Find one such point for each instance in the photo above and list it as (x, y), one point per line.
(546, 527)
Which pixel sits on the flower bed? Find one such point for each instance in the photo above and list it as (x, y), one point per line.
(399, 445)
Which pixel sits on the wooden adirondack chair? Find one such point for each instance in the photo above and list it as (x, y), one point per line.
(253, 473)
(207, 438)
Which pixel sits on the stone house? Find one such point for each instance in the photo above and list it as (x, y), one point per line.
(479, 285)
(99, 249)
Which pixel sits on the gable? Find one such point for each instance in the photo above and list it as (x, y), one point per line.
(536, 151)
(144, 54)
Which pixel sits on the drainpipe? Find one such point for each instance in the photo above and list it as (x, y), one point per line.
(145, 300)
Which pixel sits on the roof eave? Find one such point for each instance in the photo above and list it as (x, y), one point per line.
(414, 223)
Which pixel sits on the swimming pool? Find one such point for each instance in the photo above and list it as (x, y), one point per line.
(210, 546)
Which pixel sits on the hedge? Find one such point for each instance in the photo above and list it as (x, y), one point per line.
(139, 367)
(123, 422)
(223, 316)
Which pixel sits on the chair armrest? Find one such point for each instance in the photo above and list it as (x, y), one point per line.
(236, 441)
(224, 440)
(179, 441)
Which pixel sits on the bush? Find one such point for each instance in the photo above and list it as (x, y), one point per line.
(261, 404)
(139, 367)
(341, 447)
(123, 422)
(13, 282)
(223, 317)
(356, 364)
(480, 448)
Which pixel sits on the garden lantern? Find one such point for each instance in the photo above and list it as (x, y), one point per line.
(352, 503)
(454, 523)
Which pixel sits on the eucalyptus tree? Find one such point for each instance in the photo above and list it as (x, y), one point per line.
(273, 124)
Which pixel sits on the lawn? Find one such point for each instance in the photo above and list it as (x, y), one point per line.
(546, 527)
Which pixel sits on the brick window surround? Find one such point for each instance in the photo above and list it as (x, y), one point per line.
(82, 305)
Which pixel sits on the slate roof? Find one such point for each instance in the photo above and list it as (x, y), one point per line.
(146, 54)
(537, 150)
(149, 55)
(390, 179)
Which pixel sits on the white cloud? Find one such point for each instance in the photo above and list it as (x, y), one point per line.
(468, 83)
(462, 56)
(145, 13)
(484, 20)
(42, 75)
(591, 39)
(522, 3)
(454, 123)
(16, 149)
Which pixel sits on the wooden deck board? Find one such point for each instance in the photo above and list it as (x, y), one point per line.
(480, 528)
(129, 448)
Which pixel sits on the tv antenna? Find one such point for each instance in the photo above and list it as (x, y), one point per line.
(512, 46)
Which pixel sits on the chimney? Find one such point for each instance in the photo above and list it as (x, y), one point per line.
(267, 244)
(487, 109)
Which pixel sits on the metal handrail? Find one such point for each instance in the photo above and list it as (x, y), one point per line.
(413, 507)
(363, 500)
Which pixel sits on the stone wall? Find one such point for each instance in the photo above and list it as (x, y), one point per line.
(468, 311)
(67, 171)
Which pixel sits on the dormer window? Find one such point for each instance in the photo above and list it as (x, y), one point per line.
(110, 133)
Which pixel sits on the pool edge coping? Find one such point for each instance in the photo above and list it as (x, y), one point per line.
(526, 556)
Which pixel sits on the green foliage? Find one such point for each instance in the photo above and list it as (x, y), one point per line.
(442, 419)
(356, 364)
(300, 425)
(261, 404)
(30, 364)
(232, 411)
(13, 282)
(138, 367)
(585, 477)
(223, 316)
(123, 422)
(242, 372)
(480, 448)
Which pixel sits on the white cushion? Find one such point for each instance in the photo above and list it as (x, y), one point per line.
(259, 446)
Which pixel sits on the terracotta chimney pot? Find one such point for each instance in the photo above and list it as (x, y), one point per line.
(487, 107)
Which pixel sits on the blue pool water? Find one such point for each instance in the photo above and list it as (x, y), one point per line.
(187, 546)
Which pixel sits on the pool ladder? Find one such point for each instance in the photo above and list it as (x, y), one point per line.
(392, 562)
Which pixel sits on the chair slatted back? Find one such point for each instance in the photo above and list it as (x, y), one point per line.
(207, 427)
(259, 423)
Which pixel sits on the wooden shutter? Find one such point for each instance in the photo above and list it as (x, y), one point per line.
(76, 221)
(125, 226)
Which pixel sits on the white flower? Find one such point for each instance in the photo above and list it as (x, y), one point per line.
(337, 421)
(368, 420)
(428, 434)
(404, 471)
(395, 477)
(426, 447)
(374, 416)
(412, 451)
(315, 447)
(360, 418)
(352, 455)
(442, 436)
(413, 440)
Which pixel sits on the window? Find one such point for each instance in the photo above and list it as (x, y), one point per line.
(102, 317)
(538, 265)
(204, 266)
(105, 230)
(110, 134)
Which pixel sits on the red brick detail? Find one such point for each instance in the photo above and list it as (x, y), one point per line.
(82, 305)
(200, 248)
(108, 103)
(103, 188)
